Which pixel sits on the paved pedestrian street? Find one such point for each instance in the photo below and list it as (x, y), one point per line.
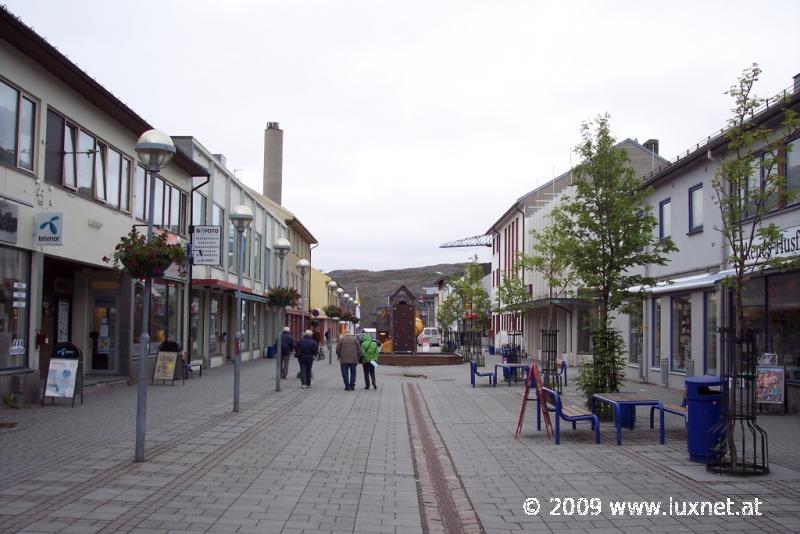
(423, 453)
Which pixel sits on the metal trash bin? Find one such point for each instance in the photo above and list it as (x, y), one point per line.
(703, 403)
(271, 351)
(491, 350)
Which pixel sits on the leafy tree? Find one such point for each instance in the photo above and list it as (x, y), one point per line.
(511, 294)
(748, 185)
(448, 313)
(609, 227)
(470, 298)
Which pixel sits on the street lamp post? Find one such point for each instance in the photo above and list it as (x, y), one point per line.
(282, 245)
(332, 287)
(154, 149)
(339, 300)
(241, 217)
(303, 266)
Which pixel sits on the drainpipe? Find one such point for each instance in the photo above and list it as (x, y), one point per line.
(516, 207)
(189, 283)
(308, 292)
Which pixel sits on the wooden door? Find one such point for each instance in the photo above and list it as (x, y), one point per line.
(403, 328)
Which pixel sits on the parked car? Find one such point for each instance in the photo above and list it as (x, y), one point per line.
(434, 338)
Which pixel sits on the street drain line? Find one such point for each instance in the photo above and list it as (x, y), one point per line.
(444, 504)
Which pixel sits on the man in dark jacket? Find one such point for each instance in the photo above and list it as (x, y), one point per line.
(287, 346)
(306, 352)
(349, 352)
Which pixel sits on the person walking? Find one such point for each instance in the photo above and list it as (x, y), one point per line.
(287, 346)
(306, 352)
(370, 350)
(349, 353)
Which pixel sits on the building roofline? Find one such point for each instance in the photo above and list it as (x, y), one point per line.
(719, 140)
(26, 40)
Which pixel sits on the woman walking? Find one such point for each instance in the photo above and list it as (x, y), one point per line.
(370, 350)
(306, 352)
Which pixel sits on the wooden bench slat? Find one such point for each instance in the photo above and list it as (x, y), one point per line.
(574, 411)
(675, 408)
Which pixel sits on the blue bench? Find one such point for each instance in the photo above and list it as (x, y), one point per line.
(681, 410)
(568, 412)
(473, 372)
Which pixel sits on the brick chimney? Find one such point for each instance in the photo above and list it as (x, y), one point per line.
(273, 162)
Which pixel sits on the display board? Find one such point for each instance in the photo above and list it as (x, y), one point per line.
(770, 385)
(61, 378)
(165, 366)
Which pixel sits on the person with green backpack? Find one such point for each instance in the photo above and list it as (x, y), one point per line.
(370, 350)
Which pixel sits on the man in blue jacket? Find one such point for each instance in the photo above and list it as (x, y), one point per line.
(287, 347)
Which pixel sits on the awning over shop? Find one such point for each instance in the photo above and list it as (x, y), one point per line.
(682, 284)
(224, 285)
(543, 303)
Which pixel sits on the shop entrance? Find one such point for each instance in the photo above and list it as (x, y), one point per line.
(103, 335)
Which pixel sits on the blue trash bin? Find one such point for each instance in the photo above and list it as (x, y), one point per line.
(703, 403)
(491, 350)
(271, 351)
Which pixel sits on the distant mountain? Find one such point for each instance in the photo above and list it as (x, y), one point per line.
(375, 286)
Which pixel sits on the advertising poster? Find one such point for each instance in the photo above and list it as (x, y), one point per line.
(165, 366)
(770, 383)
(61, 377)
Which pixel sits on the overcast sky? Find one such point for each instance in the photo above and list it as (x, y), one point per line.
(411, 123)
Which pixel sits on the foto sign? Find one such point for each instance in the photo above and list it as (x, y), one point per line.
(206, 245)
(49, 229)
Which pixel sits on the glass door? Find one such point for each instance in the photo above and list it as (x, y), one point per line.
(104, 335)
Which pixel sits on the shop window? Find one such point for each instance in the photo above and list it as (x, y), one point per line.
(195, 323)
(710, 342)
(655, 360)
(665, 219)
(635, 339)
(17, 126)
(754, 312)
(165, 313)
(245, 239)
(784, 318)
(245, 324)
(681, 332)
(696, 209)
(14, 291)
(254, 330)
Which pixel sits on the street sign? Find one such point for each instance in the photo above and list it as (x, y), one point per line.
(206, 245)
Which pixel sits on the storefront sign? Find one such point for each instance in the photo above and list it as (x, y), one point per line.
(770, 382)
(165, 366)
(61, 377)
(206, 245)
(49, 229)
(787, 245)
(8, 222)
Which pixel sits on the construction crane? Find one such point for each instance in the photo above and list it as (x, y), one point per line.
(482, 240)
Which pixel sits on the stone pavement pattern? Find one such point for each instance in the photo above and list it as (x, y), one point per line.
(326, 460)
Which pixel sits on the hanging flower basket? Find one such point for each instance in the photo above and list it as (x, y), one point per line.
(332, 311)
(135, 256)
(281, 297)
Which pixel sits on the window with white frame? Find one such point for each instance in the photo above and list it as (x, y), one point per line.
(17, 127)
(696, 209)
(80, 161)
(665, 219)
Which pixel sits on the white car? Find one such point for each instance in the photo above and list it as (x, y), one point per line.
(432, 334)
